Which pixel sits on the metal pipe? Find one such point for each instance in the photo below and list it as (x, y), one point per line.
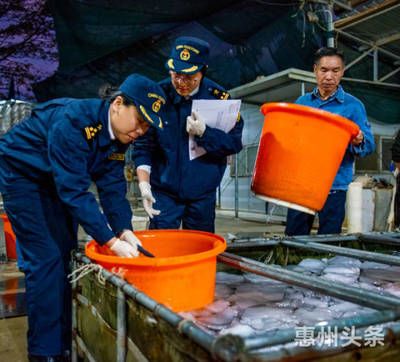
(121, 326)
(358, 59)
(365, 255)
(327, 238)
(250, 242)
(386, 238)
(186, 327)
(305, 238)
(375, 75)
(389, 234)
(264, 241)
(74, 351)
(380, 239)
(389, 75)
(338, 290)
(289, 334)
(331, 38)
(236, 185)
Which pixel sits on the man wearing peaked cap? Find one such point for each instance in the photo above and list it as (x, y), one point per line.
(176, 190)
(47, 163)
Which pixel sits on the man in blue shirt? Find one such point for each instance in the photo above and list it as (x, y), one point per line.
(330, 96)
(47, 163)
(183, 190)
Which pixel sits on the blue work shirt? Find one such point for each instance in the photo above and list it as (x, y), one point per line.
(348, 106)
(167, 151)
(66, 144)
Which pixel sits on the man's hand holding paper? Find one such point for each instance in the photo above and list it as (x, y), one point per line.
(220, 114)
(195, 125)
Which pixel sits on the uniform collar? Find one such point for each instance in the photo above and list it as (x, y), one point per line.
(195, 91)
(338, 95)
(105, 136)
(176, 98)
(110, 131)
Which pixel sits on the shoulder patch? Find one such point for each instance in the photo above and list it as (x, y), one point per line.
(117, 156)
(219, 94)
(90, 132)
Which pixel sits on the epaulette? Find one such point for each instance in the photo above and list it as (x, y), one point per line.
(219, 94)
(90, 132)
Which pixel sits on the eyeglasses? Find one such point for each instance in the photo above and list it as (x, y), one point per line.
(186, 78)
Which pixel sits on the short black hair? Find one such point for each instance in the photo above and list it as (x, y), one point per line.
(110, 92)
(328, 52)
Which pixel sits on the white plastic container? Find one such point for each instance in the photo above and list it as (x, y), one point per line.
(360, 207)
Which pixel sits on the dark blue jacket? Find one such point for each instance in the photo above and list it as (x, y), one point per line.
(167, 151)
(66, 142)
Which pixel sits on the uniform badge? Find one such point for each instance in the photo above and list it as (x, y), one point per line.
(219, 94)
(117, 156)
(157, 103)
(185, 55)
(91, 131)
(156, 106)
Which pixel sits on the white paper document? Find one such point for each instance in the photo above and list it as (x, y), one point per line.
(220, 114)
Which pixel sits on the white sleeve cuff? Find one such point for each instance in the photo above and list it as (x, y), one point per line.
(146, 168)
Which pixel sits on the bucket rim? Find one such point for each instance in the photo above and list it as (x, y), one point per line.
(285, 203)
(341, 121)
(218, 247)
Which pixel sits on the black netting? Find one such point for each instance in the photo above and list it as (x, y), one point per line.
(248, 39)
(103, 41)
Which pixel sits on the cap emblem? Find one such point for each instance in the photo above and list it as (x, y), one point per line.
(156, 105)
(185, 55)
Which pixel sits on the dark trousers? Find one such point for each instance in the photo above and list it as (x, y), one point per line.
(46, 234)
(330, 217)
(193, 214)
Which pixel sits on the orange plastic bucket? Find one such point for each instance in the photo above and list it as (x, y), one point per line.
(182, 274)
(300, 151)
(10, 238)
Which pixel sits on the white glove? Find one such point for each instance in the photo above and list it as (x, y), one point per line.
(195, 125)
(124, 249)
(148, 199)
(130, 238)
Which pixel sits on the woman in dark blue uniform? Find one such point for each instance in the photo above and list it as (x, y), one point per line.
(47, 163)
